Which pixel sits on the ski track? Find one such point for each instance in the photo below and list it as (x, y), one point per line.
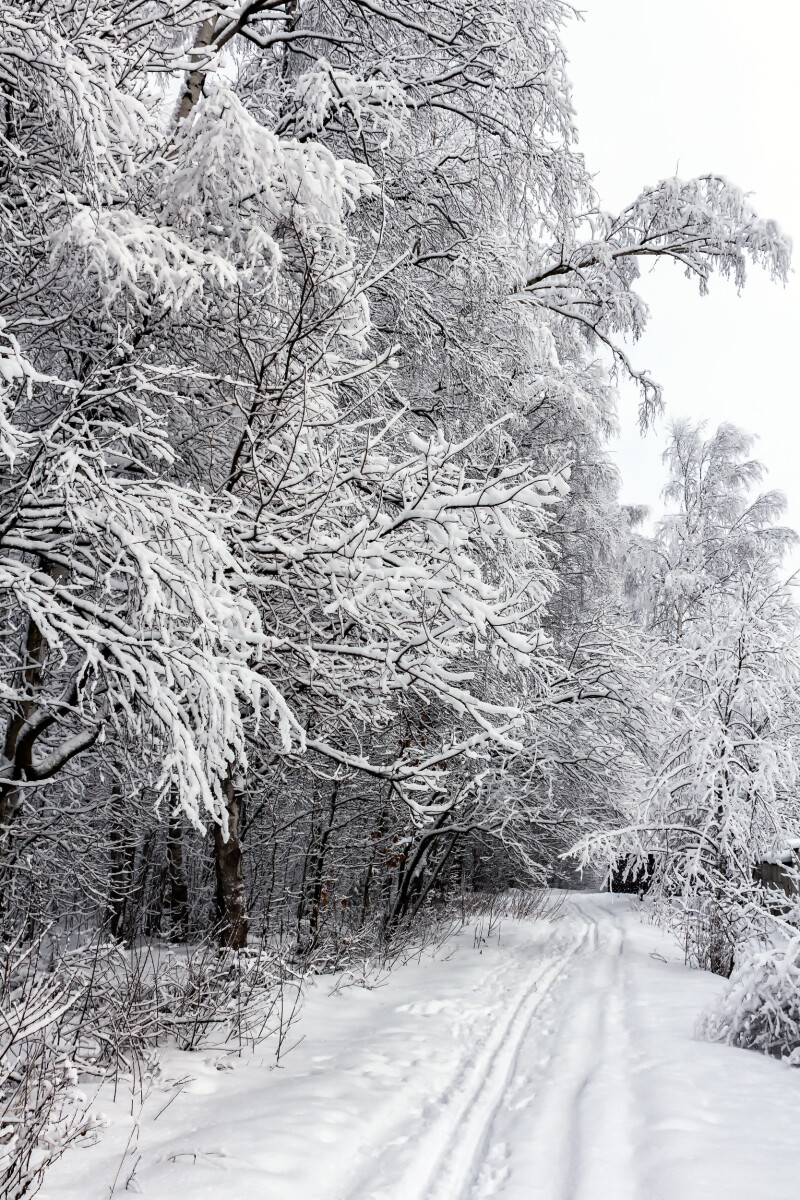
(558, 1104)
(449, 1153)
(578, 1133)
(586, 1093)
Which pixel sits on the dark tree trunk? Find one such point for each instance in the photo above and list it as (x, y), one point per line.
(19, 757)
(137, 910)
(231, 907)
(18, 747)
(178, 891)
(318, 877)
(436, 873)
(410, 876)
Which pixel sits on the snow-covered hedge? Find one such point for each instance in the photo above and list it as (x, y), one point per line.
(761, 1008)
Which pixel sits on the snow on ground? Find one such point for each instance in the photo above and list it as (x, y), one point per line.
(556, 1063)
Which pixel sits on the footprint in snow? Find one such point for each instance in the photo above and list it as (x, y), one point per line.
(493, 1173)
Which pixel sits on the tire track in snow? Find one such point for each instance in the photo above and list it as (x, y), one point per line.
(449, 1152)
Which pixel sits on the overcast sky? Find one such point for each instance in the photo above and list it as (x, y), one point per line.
(698, 86)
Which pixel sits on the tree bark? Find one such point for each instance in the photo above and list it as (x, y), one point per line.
(178, 891)
(17, 752)
(196, 79)
(231, 907)
(318, 877)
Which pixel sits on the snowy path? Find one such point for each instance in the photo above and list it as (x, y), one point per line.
(557, 1064)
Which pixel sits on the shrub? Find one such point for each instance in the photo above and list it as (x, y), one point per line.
(761, 1008)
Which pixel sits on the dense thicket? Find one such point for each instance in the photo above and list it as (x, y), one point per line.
(312, 571)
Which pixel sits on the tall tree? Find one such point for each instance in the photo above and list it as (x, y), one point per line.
(726, 660)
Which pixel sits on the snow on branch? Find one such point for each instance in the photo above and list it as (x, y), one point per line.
(704, 224)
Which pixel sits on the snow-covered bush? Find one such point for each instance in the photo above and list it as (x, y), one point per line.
(42, 1113)
(42, 1109)
(761, 1008)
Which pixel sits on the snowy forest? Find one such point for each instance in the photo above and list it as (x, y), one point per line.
(323, 625)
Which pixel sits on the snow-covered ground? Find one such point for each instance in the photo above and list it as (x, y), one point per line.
(556, 1063)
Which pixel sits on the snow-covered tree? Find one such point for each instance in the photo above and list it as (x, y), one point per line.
(727, 678)
(303, 335)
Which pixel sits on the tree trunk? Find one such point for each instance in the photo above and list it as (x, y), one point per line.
(19, 753)
(178, 891)
(435, 874)
(196, 79)
(123, 857)
(231, 907)
(318, 879)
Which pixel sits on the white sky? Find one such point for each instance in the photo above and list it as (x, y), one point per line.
(702, 86)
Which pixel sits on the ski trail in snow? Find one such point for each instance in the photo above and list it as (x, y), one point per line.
(577, 1126)
(467, 1145)
(600, 1118)
(448, 1155)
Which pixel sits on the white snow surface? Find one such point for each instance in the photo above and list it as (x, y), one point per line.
(558, 1062)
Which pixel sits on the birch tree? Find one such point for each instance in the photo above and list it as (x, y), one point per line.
(720, 794)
